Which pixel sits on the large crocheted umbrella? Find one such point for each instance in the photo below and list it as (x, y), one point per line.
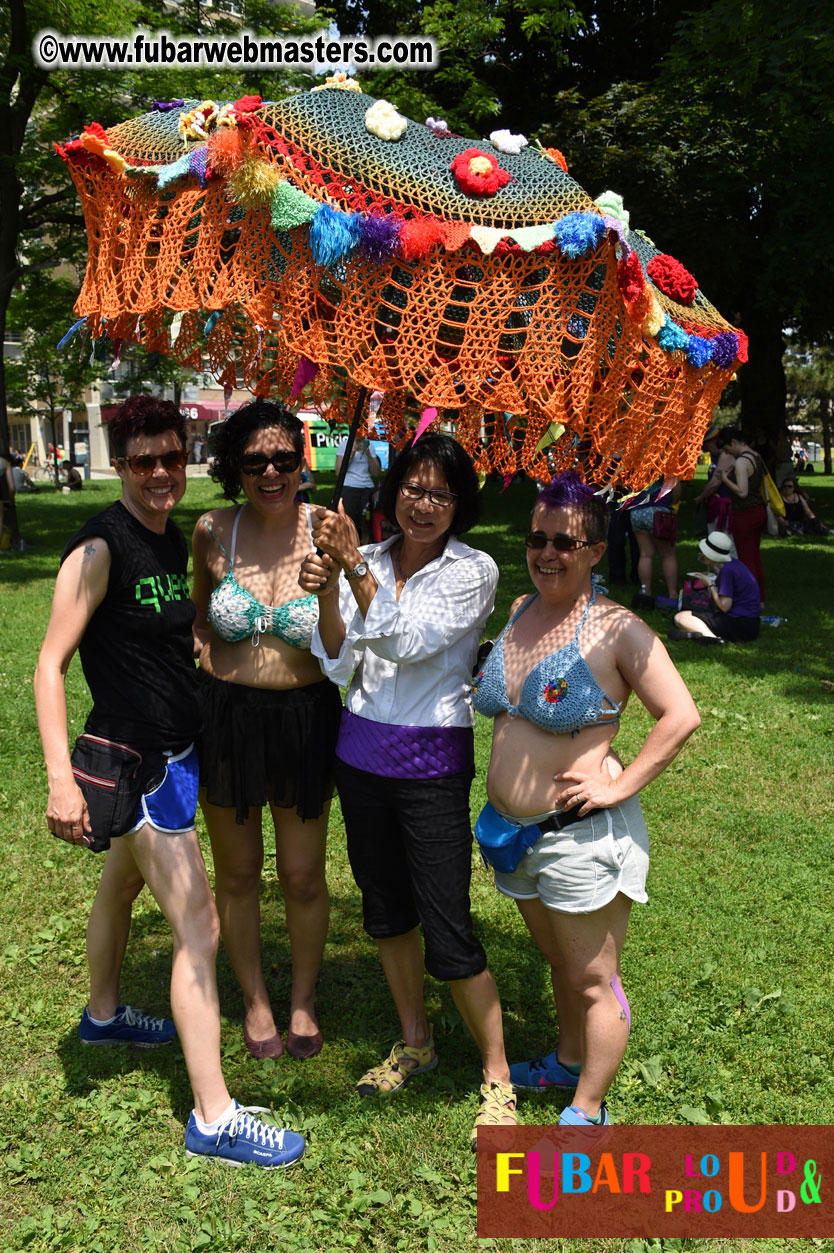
(325, 241)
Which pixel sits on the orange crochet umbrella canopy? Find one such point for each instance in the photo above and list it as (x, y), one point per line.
(474, 278)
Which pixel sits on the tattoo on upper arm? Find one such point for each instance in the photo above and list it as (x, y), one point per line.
(89, 553)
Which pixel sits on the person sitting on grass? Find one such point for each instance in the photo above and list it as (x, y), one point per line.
(799, 518)
(130, 786)
(734, 610)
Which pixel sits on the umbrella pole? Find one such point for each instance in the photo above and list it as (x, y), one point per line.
(351, 440)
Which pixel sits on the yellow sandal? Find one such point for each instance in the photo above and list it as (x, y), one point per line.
(401, 1064)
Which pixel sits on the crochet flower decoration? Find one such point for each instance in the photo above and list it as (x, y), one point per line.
(554, 692)
(340, 80)
(612, 204)
(383, 120)
(478, 173)
(673, 279)
(558, 156)
(504, 141)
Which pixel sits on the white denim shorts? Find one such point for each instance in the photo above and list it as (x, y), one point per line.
(582, 867)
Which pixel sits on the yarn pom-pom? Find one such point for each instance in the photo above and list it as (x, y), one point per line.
(505, 141)
(291, 207)
(558, 156)
(252, 184)
(578, 233)
(725, 349)
(226, 152)
(742, 347)
(380, 236)
(612, 203)
(672, 337)
(418, 237)
(673, 279)
(630, 278)
(333, 235)
(383, 120)
(698, 351)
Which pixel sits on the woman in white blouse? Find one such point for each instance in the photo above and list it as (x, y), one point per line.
(402, 628)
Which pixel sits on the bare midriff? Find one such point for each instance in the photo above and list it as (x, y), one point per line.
(272, 664)
(525, 758)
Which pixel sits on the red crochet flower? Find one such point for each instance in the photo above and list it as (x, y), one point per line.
(478, 173)
(673, 279)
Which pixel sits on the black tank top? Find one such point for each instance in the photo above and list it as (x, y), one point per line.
(137, 653)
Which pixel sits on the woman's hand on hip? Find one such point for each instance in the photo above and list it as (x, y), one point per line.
(588, 791)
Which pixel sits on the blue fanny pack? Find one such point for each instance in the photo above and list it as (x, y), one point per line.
(503, 843)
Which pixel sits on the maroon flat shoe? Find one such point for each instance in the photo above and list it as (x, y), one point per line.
(304, 1045)
(273, 1047)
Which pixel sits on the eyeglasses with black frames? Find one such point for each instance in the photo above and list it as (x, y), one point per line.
(283, 462)
(562, 543)
(440, 499)
(144, 463)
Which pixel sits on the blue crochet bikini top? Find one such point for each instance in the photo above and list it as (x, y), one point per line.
(559, 694)
(235, 613)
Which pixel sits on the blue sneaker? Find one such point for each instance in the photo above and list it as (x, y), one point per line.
(129, 1026)
(547, 1072)
(573, 1116)
(244, 1140)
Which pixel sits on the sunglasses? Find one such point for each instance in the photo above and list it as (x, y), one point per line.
(283, 462)
(562, 543)
(144, 463)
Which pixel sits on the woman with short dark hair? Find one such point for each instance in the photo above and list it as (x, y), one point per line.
(402, 628)
(269, 719)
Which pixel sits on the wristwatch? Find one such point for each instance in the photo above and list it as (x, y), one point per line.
(358, 572)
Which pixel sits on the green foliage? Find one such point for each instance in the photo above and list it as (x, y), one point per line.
(724, 967)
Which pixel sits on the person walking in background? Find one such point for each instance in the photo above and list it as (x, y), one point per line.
(748, 517)
(359, 481)
(130, 786)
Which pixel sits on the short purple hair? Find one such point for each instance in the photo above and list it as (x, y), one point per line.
(569, 491)
(143, 415)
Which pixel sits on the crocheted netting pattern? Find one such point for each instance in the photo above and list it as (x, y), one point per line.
(507, 314)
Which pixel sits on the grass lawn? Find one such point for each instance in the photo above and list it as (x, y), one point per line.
(725, 967)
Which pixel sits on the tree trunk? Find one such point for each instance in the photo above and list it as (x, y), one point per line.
(762, 380)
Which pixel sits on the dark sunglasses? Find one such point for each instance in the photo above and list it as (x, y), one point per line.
(562, 543)
(144, 463)
(283, 462)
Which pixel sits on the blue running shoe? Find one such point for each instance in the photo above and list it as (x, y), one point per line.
(573, 1116)
(129, 1026)
(547, 1072)
(245, 1140)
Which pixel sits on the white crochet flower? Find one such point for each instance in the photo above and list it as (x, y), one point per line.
(383, 120)
(505, 141)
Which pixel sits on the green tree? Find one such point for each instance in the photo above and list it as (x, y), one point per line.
(810, 385)
(41, 225)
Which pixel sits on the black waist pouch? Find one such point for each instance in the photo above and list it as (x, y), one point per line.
(112, 778)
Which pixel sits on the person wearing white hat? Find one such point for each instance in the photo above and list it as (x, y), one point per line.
(733, 613)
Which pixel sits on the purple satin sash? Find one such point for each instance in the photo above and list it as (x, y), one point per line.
(404, 752)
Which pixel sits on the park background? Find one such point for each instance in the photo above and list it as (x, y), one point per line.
(713, 120)
(727, 968)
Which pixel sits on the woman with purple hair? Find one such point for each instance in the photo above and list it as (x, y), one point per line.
(563, 827)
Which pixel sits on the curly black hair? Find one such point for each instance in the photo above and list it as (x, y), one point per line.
(454, 464)
(229, 439)
(143, 415)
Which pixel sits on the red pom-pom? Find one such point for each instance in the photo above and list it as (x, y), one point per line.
(743, 342)
(558, 157)
(96, 128)
(248, 104)
(225, 152)
(673, 279)
(418, 237)
(478, 173)
(630, 278)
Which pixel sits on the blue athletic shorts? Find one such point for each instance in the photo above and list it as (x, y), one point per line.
(170, 803)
